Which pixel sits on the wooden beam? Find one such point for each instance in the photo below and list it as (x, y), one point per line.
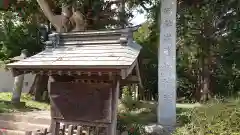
(139, 75)
(72, 70)
(115, 95)
(69, 72)
(130, 69)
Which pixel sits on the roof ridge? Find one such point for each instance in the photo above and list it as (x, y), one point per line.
(98, 32)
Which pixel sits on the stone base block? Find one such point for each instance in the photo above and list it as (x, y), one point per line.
(155, 129)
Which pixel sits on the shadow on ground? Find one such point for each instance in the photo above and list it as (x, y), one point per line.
(6, 106)
(30, 105)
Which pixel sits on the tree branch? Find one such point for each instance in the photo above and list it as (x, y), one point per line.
(60, 22)
(79, 21)
(47, 10)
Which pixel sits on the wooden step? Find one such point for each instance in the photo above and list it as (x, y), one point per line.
(26, 118)
(11, 132)
(23, 126)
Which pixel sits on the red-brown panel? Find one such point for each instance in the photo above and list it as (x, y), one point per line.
(81, 102)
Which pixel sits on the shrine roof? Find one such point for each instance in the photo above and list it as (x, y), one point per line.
(95, 49)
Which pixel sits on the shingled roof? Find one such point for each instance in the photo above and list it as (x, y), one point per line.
(94, 49)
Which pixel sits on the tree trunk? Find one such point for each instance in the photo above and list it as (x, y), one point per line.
(122, 12)
(205, 73)
(206, 59)
(197, 93)
(205, 80)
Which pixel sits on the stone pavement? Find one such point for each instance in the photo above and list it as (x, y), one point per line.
(19, 123)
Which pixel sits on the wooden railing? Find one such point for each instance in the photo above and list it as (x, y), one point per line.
(70, 130)
(74, 130)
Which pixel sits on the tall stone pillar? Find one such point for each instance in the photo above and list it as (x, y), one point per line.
(18, 80)
(167, 65)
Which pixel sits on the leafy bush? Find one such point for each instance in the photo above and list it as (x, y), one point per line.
(216, 118)
(129, 116)
(128, 123)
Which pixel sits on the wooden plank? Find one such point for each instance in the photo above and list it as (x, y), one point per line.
(97, 33)
(89, 63)
(139, 75)
(113, 126)
(70, 130)
(83, 71)
(56, 128)
(69, 67)
(134, 47)
(130, 80)
(109, 50)
(74, 38)
(99, 54)
(126, 72)
(88, 130)
(77, 64)
(111, 57)
(97, 131)
(89, 50)
(79, 48)
(91, 42)
(86, 102)
(35, 133)
(28, 133)
(85, 123)
(79, 130)
(130, 69)
(90, 59)
(78, 74)
(45, 131)
(97, 58)
(63, 129)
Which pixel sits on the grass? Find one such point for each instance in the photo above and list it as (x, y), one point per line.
(216, 117)
(136, 115)
(145, 113)
(30, 104)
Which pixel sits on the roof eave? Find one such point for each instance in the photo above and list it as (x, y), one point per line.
(67, 66)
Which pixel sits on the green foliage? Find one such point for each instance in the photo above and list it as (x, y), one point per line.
(216, 118)
(133, 116)
(207, 31)
(30, 104)
(16, 36)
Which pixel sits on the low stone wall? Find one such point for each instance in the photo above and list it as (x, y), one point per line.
(7, 80)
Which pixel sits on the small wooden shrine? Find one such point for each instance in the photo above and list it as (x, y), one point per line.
(87, 69)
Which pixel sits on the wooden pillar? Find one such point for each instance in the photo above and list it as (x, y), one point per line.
(167, 65)
(115, 95)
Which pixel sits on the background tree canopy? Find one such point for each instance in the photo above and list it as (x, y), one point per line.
(207, 46)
